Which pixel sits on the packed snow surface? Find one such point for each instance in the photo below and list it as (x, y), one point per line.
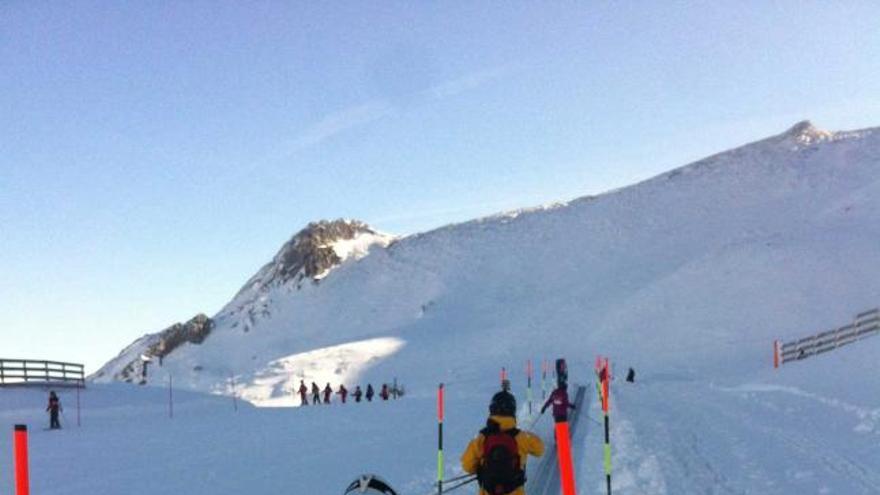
(687, 277)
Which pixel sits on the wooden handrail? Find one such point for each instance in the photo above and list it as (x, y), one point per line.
(40, 372)
(865, 324)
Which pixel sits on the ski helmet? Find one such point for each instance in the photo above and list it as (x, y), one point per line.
(370, 484)
(503, 404)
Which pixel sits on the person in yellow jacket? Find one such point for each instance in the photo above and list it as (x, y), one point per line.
(498, 454)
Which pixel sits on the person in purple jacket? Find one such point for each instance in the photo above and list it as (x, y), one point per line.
(561, 404)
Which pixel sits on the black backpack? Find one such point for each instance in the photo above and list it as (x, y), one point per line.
(500, 471)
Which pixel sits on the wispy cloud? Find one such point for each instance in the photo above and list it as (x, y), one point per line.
(338, 122)
(467, 82)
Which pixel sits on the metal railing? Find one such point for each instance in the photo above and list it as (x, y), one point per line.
(866, 324)
(29, 372)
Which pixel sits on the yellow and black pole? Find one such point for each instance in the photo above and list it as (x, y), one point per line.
(440, 439)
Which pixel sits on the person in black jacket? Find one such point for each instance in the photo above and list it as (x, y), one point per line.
(370, 393)
(358, 393)
(54, 408)
(316, 394)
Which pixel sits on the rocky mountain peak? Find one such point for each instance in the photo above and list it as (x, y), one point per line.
(310, 252)
(308, 256)
(805, 133)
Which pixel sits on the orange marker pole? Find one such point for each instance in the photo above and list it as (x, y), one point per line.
(605, 387)
(563, 453)
(440, 439)
(22, 483)
(603, 368)
(775, 354)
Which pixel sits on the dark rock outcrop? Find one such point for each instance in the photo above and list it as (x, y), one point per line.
(163, 343)
(308, 254)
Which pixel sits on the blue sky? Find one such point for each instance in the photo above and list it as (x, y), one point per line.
(154, 154)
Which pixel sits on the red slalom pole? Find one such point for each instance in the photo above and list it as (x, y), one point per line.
(440, 439)
(22, 483)
(563, 451)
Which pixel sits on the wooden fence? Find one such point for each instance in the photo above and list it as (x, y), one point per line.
(27, 372)
(864, 325)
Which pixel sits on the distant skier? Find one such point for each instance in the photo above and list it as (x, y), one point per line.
(54, 408)
(303, 393)
(631, 375)
(343, 393)
(316, 394)
(498, 454)
(384, 393)
(358, 393)
(559, 399)
(327, 393)
(370, 393)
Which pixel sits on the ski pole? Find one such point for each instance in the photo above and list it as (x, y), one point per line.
(463, 483)
(458, 478)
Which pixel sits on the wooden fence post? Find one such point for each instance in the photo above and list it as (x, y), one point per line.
(776, 354)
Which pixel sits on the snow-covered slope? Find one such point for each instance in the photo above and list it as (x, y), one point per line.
(699, 267)
(307, 257)
(688, 277)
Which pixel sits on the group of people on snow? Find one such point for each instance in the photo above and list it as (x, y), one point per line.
(322, 396)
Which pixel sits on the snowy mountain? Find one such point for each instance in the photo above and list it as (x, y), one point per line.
(701, 266)
(307, 257)
(687, 277)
